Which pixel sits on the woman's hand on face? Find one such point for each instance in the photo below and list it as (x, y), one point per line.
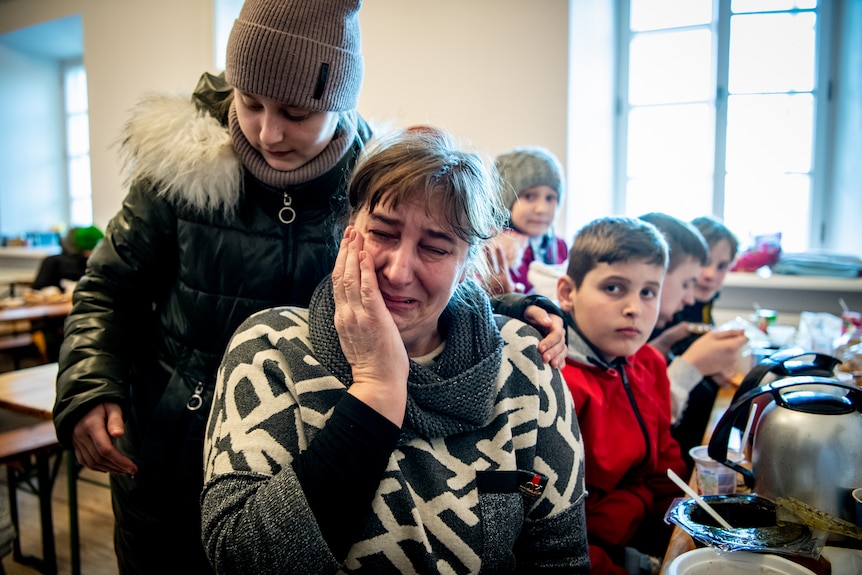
(368, 335)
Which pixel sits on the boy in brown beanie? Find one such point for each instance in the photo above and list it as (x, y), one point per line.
(234, 206)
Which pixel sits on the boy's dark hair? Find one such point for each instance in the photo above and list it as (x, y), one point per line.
(683, 239)
(613, 239)
(713, 231)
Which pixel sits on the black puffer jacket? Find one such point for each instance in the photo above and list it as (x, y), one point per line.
(196, 248)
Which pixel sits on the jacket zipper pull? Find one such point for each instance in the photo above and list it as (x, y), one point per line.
(196, 401)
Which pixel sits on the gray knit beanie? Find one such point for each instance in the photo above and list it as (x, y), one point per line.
(528, 167)
(303, 53)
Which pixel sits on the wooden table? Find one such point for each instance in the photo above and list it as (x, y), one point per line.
(31, 312)
(32, 391)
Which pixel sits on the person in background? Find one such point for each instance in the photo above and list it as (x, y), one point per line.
(700, 359)
(235, 205)
(533, 190)
(621, 392)
(66, 268)
(723, 248)
(346, 438)
(62, 271)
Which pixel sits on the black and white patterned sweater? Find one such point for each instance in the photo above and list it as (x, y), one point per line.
(486, 475)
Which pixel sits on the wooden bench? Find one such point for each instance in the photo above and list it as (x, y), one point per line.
(26, 451)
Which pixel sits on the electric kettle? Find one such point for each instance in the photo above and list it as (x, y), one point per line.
(806, 441)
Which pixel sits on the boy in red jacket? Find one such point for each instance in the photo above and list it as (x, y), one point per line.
(611, 294)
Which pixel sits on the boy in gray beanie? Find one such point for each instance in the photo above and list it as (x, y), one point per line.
(532, 189)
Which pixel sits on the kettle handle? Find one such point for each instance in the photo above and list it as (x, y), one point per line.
(717, 448)
(781, 363)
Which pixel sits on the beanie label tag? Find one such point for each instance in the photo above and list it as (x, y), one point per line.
(322, 76)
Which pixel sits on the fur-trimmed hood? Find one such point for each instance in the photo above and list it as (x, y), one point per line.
(185, 152)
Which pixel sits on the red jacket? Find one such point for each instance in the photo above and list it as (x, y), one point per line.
(626, 474)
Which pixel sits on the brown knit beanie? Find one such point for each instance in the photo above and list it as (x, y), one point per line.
(528, 167)
(303, 53)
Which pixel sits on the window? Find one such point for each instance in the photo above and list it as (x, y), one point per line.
(720, 113)
(226, 12)
(77, 144)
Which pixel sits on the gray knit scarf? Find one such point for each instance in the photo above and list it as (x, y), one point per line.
(452, 395)
(320, 164)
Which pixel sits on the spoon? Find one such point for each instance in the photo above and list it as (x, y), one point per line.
(698, 499)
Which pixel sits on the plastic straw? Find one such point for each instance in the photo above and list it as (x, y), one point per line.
(748, 425)
(698, 499)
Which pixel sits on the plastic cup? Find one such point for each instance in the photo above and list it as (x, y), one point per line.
(857, 504)
(713, 478)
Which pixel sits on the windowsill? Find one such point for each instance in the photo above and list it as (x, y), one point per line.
(28, 252)
(792, 282)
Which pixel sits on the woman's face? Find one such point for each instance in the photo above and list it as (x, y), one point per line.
(419, 263)
(286, 137)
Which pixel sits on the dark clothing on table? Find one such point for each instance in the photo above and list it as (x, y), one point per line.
(53, 269)
(63, 266)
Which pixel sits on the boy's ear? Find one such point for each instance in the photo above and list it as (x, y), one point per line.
(565, 293)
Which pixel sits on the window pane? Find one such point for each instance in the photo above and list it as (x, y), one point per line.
(76, 90)
(683, 197)
(772, 53)
(671, 67)
(765, 204)
(81, 212)
(658, 14)
(772, 132)
(671, 140)
(78, 134)
(79, 178)
(770, 5)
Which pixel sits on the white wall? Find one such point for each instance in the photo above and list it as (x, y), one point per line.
(492, 71)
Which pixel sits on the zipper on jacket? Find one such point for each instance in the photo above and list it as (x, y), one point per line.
(637, 411)
(287, 214)
(196, 401)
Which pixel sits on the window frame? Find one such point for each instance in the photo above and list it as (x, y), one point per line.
(823, 130)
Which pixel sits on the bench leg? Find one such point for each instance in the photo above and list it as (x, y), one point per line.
(72, 470)
(45, 481)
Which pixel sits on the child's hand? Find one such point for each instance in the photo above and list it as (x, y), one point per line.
(368, 335)
(513, 245)
(664, 341)
(716, 352)
(500, 278)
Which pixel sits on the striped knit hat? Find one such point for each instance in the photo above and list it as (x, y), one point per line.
(304, 53)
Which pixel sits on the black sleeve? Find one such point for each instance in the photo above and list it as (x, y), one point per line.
(515, 304)
(342, 467)
(48, 275)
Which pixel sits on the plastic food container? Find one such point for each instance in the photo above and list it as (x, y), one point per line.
(707, 562)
